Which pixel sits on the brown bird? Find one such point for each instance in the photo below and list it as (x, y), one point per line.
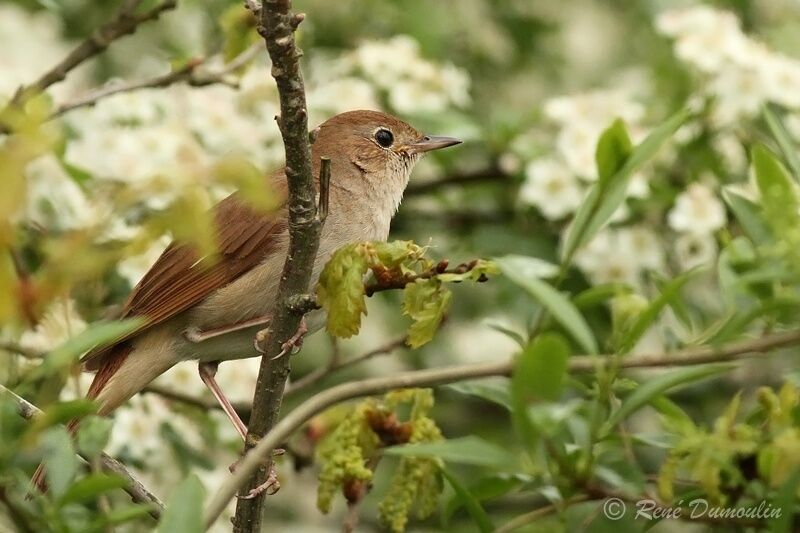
(212, 313)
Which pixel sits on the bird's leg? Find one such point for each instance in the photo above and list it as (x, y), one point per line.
(197, 335)
(292, 345)
(207, 372)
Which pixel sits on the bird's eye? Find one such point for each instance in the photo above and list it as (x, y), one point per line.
(384, 137)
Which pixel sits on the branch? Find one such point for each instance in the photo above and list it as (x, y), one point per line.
(441, 376)
(277, 25)
(139, 493)
(336, 365)
(125, 22)
(190, 74)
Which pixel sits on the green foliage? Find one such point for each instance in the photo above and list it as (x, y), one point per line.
(347, 455)
(717, 458)
(609, 192)
(341, 290)
(184, 512)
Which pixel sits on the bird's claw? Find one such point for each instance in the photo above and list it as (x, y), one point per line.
(270, 486)
(294, 344)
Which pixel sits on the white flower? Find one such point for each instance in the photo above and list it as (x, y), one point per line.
(552, 188)
(606, 260)
(137, 426)
(410, 96)
(695, 249)
(60, 322)
(577, 145)
(698, 211)
(731, 151)
(343, 94)
(643, 245)
(183, 378)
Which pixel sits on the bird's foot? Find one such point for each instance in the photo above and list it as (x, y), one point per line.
(292, 345)
(270, 486)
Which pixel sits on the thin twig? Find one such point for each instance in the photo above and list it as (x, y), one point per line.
(441, 376)
(336, 365)
(125, 22)
(139, 493)
(190, 73)
(277, 24)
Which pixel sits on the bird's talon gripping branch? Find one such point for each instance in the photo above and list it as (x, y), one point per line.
(294, 344)
(270, 487)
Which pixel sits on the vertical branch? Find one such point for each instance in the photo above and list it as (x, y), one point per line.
(277, 25)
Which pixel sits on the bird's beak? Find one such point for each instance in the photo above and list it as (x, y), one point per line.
(430, 142)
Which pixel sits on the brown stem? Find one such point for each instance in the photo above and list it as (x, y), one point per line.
(441, 376)
(139, 493)
(125, 22)
(277, 25)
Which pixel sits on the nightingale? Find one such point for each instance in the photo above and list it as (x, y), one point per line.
(212, 313)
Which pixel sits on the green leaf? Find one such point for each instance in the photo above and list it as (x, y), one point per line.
(93, 434)
(487, 488)
(529, 267)
(607, 195)
(184, 512)
(426, 301)
(469, 501)
(87, 489)
(540, 370)
(787, 145)
(778, 195)
(341, 290)
(785, 500)
(748, 214)
(555, 303)
(60, 461)
(63, 412)
(613, 149)
(97, 334)
(497, 392)
(469, 450)
(654, 387)
(669, 293)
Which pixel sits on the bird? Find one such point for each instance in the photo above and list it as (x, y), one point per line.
(212, 313)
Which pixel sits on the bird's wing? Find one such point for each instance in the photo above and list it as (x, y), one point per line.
(179, 279)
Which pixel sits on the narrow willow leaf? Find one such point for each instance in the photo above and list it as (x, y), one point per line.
(184, 512)
(669, 293)
(777, 190)
(613, 149)
(497, 392)
(555, 303)
(654, 387)
(486, 488)
(60, 461)
(540, 370)
(785, 500)
(788, 147)
(606, 196)
(471, 503)
(748, 215)
(470, 450)
(89, 488)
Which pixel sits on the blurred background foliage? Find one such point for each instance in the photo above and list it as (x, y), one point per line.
(91, 198)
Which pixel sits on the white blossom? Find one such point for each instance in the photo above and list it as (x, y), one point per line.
(695, 249)
(697, 210)
(552, 188)
(59, 323)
